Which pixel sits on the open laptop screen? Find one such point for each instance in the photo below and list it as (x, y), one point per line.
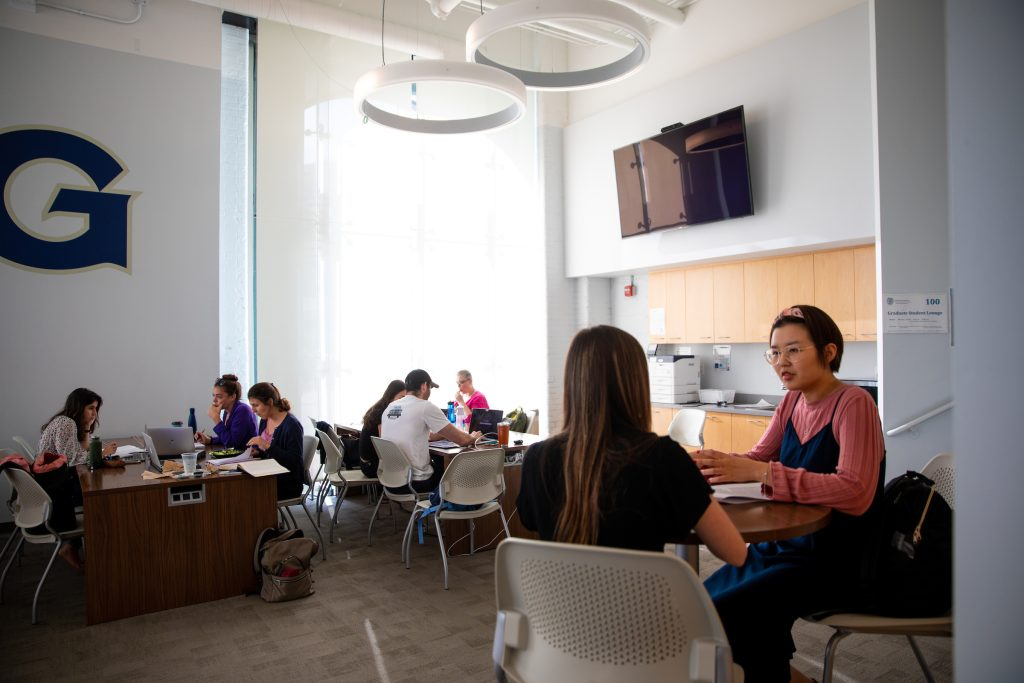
(485, 420)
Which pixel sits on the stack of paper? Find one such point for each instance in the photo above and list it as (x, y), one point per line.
(262, 468)
(739, 493)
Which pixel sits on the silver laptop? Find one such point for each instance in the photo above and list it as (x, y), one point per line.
(172, 441)
(154, 459)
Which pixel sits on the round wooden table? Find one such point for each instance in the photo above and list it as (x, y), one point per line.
(764, 521)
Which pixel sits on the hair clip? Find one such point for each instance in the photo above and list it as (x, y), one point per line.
(791, 312)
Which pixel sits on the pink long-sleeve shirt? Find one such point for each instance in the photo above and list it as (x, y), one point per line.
(858, 432)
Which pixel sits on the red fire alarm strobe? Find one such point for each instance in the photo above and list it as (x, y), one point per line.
(630, 288)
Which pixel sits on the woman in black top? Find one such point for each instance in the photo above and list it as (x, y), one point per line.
(368, 459)
(279, 436)
(606, 479)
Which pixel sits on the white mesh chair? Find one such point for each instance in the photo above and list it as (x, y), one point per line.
(26, 449)
(533, 422)
(32, 509)
(687, 428)
(585, 613)
(471, 478)
(941, 470)
(395, 471)
(338, 477)
(309, 444)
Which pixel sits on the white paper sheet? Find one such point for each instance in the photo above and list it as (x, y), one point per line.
(262, 468)
(738, 493)
(241, 457)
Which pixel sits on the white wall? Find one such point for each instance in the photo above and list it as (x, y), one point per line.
(130, 336)
(807, 100)
(984, 53)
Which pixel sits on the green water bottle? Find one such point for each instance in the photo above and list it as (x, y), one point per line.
(95, 453)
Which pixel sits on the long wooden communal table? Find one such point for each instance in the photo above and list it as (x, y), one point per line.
(145, 552)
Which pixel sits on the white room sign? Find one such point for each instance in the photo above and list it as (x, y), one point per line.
(926, 313)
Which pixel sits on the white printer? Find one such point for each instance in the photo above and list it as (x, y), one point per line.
(674, 379)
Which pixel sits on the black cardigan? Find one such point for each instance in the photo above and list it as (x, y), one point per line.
(286, 449)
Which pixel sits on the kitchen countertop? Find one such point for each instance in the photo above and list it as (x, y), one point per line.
(740, 398)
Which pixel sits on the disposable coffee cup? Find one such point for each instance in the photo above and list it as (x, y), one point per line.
(188, 462)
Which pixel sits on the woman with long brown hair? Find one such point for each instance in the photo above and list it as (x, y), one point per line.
(606, 479)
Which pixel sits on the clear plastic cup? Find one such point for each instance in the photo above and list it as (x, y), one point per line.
(188, 461)
(503, 428)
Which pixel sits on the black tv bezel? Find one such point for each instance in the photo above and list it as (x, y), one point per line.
(674, 128)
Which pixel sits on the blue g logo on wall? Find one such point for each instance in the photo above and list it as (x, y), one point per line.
(105, 213)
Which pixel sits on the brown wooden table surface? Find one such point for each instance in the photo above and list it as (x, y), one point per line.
(144, 554)
(772, 521)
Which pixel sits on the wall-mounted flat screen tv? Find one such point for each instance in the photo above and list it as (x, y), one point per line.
(695, 173)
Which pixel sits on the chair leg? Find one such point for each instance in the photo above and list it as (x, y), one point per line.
(316, 528)
(337, 508)
(407, 538)
(504, 523)
(830, 653)
(920, 659)
(318, 473)
(10, 561)
(46, 571)
(288, 511)
(369, 532)
(444, 552)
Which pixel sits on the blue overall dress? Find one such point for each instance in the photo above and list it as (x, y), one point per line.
(784, 580)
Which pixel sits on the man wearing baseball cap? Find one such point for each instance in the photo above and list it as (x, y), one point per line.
(413, 421)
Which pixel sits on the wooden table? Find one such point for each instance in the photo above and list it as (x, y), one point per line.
(763, 521)
(144, 554)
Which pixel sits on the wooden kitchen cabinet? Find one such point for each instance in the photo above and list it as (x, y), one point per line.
(718, 432)
(700, 305)
(834, 286)
(865, 325)
(795, 281)
(675, 306)
(661, 418)
(747, 431)
(760, 299)
(728, 298)
(656, 299)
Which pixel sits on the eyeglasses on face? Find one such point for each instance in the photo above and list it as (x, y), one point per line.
(776, 356)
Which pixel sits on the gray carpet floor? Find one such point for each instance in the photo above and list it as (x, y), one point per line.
(369, 620)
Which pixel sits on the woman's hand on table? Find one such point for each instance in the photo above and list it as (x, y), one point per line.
(726, 468)
(203, 439)
(110, 448)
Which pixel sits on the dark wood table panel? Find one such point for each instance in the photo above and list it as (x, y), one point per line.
(144, 555)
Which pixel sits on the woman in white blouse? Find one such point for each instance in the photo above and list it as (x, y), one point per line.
(67, 433)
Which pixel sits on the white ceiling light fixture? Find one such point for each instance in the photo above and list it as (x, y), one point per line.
(525, 12)
(426, 71)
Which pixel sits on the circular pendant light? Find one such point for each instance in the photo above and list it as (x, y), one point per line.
(424, 71)
(524, 12)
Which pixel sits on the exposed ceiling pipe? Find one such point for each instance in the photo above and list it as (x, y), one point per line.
(344, 24)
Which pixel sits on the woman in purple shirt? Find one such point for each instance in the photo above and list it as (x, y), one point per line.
(233, 420)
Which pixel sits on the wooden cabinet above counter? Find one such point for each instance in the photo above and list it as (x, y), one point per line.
(735, 302)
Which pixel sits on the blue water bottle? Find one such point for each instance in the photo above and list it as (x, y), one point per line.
(451, 411)
(192, 420)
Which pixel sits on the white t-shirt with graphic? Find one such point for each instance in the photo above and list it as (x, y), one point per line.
(408, 422)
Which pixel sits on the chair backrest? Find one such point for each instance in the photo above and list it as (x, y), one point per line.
(394, 469)
(332, 455)
(687, 427)
(26, 448)
(533, 422)
(586, 613)
(942, 471)
(474, 477)
(33, 505)
(309, 444)
(313, 421)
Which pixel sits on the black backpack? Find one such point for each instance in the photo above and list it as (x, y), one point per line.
(915, 562)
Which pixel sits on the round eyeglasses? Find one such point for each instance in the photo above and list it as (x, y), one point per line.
(776, 356)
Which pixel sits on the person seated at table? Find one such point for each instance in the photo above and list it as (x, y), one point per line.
(467, 396)
(233, 420)
(823, 447)
(413, 422)
(279, 437)
(368, 459)
(606, 479)
(67, 433)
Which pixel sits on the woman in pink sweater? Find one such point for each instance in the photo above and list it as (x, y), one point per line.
(823, 447)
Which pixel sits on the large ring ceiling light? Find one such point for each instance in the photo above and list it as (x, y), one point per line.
(427, 70)
(525, 12)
